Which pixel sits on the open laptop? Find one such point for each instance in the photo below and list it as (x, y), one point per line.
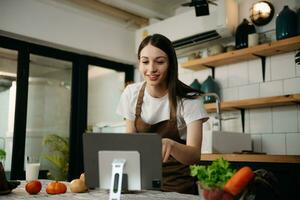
(147, 146)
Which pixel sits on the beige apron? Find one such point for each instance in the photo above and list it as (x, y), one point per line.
(176, 176)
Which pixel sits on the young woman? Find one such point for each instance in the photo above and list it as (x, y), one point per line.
(164, 105)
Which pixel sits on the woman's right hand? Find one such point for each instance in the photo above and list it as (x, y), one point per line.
(167, 146)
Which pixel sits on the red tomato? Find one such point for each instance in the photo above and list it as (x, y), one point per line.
(56, 187)
(33, 187)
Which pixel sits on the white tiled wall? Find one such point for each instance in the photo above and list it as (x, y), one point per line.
(261, 120)
(249, 91)
(274, 143)
(292, 85)
(285, 119)
(275, 130)
(298, 70)
(292, 143)
(282, 66)
(238, 74)
(272, 88)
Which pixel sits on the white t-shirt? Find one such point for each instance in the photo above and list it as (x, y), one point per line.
(155, 110)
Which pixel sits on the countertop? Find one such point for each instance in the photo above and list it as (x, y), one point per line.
(253, 158)
(20, 193)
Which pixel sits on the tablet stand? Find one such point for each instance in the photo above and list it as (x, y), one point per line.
(118, 182)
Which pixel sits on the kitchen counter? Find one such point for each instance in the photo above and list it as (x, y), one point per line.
(253, 158)
(20, 193)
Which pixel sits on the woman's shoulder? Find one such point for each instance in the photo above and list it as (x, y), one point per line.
(136, 85)
(188, 105)
(194, 100)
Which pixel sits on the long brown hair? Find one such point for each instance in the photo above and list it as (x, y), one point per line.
(176, 88)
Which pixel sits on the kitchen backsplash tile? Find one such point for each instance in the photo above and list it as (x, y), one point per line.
(274, 144)
(291, 86)
(298, 108)
(269, 126)
(293, 143)
(247, 121)
(186, 78)
(202, 75)
(285, 119)
(238, 74)
(256, 142)
(298, 70)
(273, 88)
(249, 91)
(221, 75)
(268, 69)
(283, 66)
(182, 70)
(255, 71)
(229, 94)
(261, 120)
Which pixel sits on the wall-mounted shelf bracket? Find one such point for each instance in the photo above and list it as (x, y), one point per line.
(212, 70)
(243, 119)
(263, 65)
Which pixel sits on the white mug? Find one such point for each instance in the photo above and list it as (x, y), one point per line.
(253, 39)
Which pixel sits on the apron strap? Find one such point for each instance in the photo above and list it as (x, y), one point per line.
(138, 108)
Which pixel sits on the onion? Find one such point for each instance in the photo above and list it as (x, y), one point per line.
(77, 186)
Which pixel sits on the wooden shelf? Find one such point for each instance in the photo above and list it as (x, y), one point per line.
(253, 158)
(263, 50)
(255, 103)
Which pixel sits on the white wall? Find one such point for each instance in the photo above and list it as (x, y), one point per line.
(274, 130)
(64, 25)
(105, 88)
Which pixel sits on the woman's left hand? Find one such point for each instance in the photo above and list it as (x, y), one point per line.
(167, 145)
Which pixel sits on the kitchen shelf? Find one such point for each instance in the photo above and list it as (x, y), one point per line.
(259, 51)
(253, 158)
(255, 103)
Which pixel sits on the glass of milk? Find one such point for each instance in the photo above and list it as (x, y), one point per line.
(32, 168)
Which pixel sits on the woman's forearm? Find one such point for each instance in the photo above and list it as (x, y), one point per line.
(185, 154)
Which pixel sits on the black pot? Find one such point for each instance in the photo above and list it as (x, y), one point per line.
(286, 24)
(241, 36)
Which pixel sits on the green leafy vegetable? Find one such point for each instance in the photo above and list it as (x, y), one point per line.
(214, 175)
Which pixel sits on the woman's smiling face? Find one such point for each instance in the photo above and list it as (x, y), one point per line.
(153, 65)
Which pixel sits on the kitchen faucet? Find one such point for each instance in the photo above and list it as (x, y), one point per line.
(218, 102)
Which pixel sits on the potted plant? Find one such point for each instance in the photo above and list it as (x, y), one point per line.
(57, 154)
(2, 155)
